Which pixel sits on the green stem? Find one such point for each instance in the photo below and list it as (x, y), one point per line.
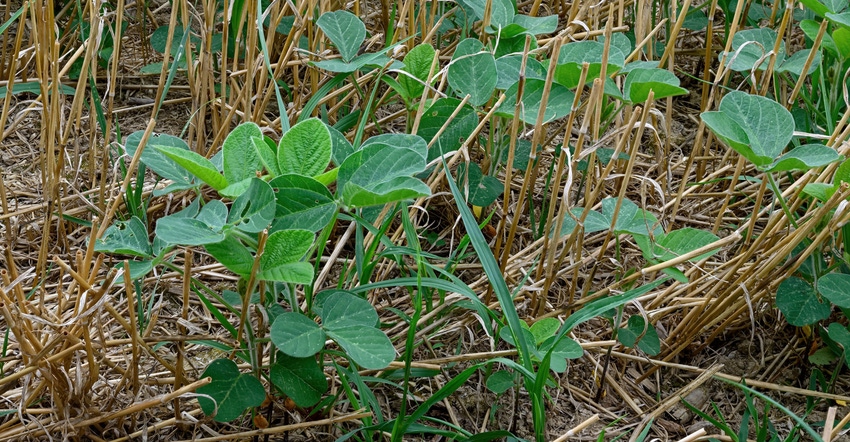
(778, 195)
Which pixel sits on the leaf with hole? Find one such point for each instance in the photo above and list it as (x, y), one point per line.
(254, 209)
(302, 379)
(297, 335)
(233, 392)
(345, 30)
(305, 149)
(756, 127)
(127, 238)
(799, 302)
(283, 254)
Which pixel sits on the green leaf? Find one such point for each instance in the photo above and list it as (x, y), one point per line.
(342, 148)
(213, 214)
(573, 55)
(631, 218)
(296, 335)
(662, 82)
(456, 133)
(758, 128)
(345, 30)
(302, 379)
(797, 62)
(811, 29)
(302, 203)
(241, 160)
(266, 155)
(508, 67)
(187, 231)
(473, 72)
(841, 37)
(344, 309)
(842, 174)
(500, 381)
(559, 105)
(196, 165)
(594, 222)
(805, 157)
(377, 59)
(749, 48)
(544, 329)
(524, 24)
(482, 189)
(637, 332)
(127, 238)
(156, 161)
(232, 254)
(233, 392)
(417, 63)
(501, 11)
(281, 260)
(379, 173)
(676, 243)
(836, 288)
(843, 19)
(821, 191)
(254, 209)
(305, 149)
(799, 302)
(366, 345)
(839, 334)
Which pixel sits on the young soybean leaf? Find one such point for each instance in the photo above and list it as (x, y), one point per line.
(302, 379)
(343, 309)
(281, 260)
(805, 157)
(799, 302)
(544, 329)
(159, 163)
(676, 243)
(342, 148)
(234, 392)
(560, 101)
(127, 238)
(500, 381)
(483, 189)
(749, 48)
(366, 345)
(417, 63)
(756, 127)
(839, 334)
(187, 231)
(501, 11)
(254, 209)
(455, 134)
(232, 254)
(472, 71)
(345, 30)
(266, 154)
(797, 62)
(638, 333)
(573, 55)
(297, 335)
(380, 172)
(196, 165)
(507, 70)
(836, 288)
(241, 160)
(524, 24)
(661, 82)
(302, 203)
(305, 149)
(594, 222)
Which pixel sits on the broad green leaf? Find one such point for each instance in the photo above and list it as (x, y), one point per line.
(836, 288)
(232, 254)
(841, 37)
(514, 46)
(500, 381)
(233, 392)
(127, 238)
(564, 350)
(637, 332)
(594, 222)
(842, 174)
(661, 82)
(482, 189)
(302, 203)
(758, 128)
(305, 149)
(749, 48)
(816, 6)
(811, 29)
(799, 302)
(158, 162)
(213, 214)
(380, 172)
(508, 67)
(196, 165)
(473, 72)
(345, 30)
(233, 190)
(501, 11)
(281, 260)
(456, 133)
(843, 19)
(839, 334)
(630, 219)
(372, 60)
(297, 335)
(417, 63)
(805, 157)
(797, 62)
(821, 191)
(544, 329)
(241, 160)
(343, 309)
(366, 345)
(572, 55)
(302, 379)
(559, 105)
(342, 148)
(524, 24)
(676, 243)
(835, 5)
(187, 231)
(266, 155)
(254, 209)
